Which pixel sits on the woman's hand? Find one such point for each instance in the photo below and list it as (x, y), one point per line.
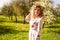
(27, 18)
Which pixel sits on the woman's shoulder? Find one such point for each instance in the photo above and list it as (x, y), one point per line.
(40, 19)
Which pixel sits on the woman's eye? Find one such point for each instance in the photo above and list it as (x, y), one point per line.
(34, 9)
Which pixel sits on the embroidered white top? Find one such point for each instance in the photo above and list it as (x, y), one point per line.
(36, 24)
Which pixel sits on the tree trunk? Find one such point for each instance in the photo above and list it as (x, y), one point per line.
(16, 18)
(11, 17)
(24, 19)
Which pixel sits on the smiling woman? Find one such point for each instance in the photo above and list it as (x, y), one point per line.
(35, 18)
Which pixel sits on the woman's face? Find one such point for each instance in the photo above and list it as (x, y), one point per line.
(37, 11)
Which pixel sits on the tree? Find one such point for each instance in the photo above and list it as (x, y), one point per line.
(8, 11)
(58, 10)
(16, 10)
(4, 10)
(49, 16)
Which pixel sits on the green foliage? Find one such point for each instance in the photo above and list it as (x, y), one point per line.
(4, 10)
(58, 10)
(19, 31)
(21, 8)
(49, 16)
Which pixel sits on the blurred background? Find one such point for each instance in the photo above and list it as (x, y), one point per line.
(12, 19)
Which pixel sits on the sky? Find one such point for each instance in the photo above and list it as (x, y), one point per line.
(6, 2)
(56, 2)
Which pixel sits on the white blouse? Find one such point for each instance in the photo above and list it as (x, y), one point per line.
(36, 24)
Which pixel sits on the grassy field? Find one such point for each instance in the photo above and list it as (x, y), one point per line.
(10, 30)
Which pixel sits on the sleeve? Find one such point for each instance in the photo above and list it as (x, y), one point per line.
(40, 24)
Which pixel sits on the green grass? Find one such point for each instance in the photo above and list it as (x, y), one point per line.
(10, 30)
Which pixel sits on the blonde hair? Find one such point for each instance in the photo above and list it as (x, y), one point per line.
(28, 17)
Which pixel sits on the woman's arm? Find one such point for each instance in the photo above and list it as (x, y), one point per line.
(40, 24)
(27, 18)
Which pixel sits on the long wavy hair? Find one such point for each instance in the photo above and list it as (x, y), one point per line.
(32, 11)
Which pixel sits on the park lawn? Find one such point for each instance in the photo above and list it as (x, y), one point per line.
(10, 30)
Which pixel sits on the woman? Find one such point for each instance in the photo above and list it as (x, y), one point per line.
(35, 18)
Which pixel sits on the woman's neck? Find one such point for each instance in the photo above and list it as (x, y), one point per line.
(35, 17)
